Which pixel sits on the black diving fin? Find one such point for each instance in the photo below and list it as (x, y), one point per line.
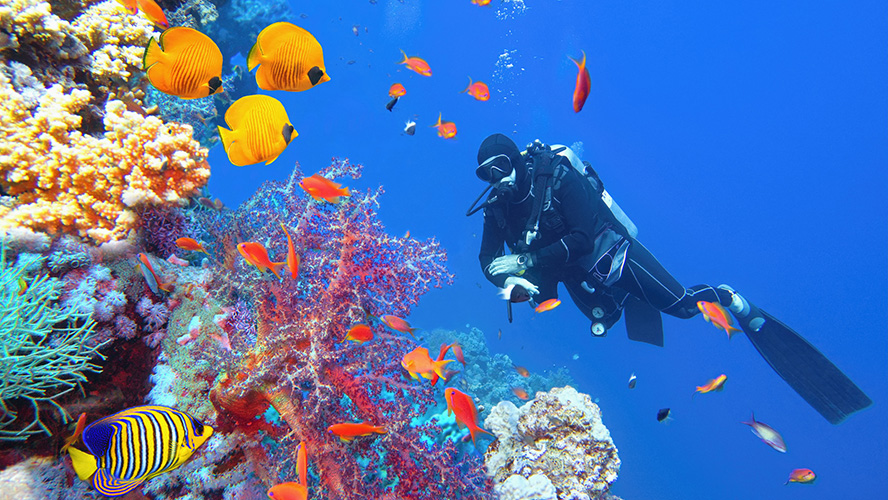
(803, 367)
(643, 322)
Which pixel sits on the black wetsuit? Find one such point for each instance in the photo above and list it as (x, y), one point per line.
(568, 230)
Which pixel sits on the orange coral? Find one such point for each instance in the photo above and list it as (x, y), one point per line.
(66, 182)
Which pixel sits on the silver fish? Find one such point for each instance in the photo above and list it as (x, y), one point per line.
(767, 434)
(410, 127)
(632, 381)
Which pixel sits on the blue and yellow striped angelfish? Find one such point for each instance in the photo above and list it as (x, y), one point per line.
(134, 445)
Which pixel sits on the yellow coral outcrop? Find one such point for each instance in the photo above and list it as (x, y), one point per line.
(66, 182)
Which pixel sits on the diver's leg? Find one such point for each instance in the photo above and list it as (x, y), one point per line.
(545, 282)
(644, 277)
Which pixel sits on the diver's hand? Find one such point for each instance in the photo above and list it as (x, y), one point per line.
(523, 283)
(508, 264)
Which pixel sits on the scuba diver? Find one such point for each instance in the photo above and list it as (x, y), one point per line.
(561, 226)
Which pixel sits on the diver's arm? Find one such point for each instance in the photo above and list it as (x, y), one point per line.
(579, 211)
(492, 243)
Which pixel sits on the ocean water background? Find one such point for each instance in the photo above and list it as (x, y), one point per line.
(747, 140)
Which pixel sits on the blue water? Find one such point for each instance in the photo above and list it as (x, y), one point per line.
(747, 141)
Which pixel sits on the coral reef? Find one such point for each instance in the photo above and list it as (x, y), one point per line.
(67, 182)
(271, 355)
(558, 435)
(44, 352)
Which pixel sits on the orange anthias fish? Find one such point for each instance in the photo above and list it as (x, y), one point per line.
(446, 130)
(803, 476)
(520, 393)
(185, 63)
(441, 354)
(322, 188)
(359, 334)
(416, 64)
(294, 490)
(148, 7)
(716, 314)
(481, 2)
(547, 305)
(348, 431)
(260, 130)
(419, 364)
(151, 277)
(292, 258)
(256, 254)
(397, 90)
(190, 244)
(289, 58)
(462, 406)
(522, 371)
(715, 384)
(478, 90)
(399, 324)
(457, 351)
(584, 84)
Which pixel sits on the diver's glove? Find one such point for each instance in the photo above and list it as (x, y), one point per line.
(510, 264)
(513, 281)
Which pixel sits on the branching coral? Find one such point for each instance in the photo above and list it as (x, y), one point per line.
(42, 351)
(68, 182)
(298, 364)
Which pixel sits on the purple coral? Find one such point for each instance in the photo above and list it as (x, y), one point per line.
(154, 314)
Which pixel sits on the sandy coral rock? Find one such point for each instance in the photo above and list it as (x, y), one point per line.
(67, 182)
(559, 435)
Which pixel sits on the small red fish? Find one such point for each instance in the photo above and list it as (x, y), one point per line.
(522, 371)
(548, 305)
(481, 2)
(397, 90)
(151, 277)
(292, 258)
(256, 255)
(715, 384)
(399, 324)
(416, 64)
(349, 431)
(302, 464)
(150, 8)
(359, 334)
(320, 187)
(478, 90)
(803, 476)
(714, 313)
(441, 354)
(457, 351)
(191, 244)
(288, 491)
(462, 406)
(584, 83)
(446, 130)
(521, 393)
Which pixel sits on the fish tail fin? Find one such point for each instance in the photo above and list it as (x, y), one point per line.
(275, 266)
(254, 57)
(438, 366)
(731, 331)
(85, 465)
(167, 287)
(413, 329)
(153, 54)
(468, 87)
(227, 136)
(405, 57)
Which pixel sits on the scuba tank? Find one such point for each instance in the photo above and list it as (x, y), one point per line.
(617, 217)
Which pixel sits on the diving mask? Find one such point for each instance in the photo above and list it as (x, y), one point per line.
(494, 168)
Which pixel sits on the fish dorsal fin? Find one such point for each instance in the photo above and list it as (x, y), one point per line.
(277, 34)
(175, 39)
(109, 485)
